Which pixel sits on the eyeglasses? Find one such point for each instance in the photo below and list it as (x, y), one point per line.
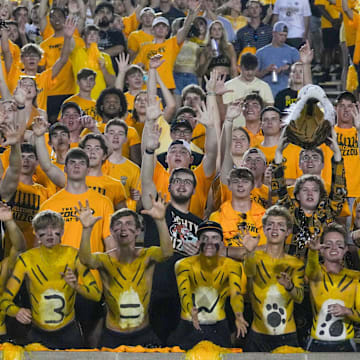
(313, 158)
(179, 132)
(178, 181)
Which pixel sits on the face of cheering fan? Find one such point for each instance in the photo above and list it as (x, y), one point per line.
(210, 242)
(49, 236)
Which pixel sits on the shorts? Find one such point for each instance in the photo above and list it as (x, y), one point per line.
(88, 311)
(144, 337)
(330, 38)
(186, 336)
(184, 79)
(53, 106)
(68, 337)
(256, 342)
(331, 346)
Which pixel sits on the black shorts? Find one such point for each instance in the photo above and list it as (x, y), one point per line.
(88, 311)
(331, 346)
(68, 337)
(256, 342)
(144, 337)
(186, 336)
(330, 38)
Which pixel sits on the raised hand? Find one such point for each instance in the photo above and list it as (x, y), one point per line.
(314, 243)
(151, 140)
(20, 95)
(211, 81)
(234, 110)
(203, 116)
(88, 122)
(153, 111)
(123, 62)
(85, 215)
(220, 88)
(70, 26)
(70, 278)
(156, 61)
(5, 212)
(194, 7)
(306, 53)
(334, 146)
(73, 6)
(39, 126)
(157, 211)
(12, 133)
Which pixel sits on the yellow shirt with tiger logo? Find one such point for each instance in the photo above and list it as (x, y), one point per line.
(348, 143)
(87, 106)
(52, 47)
(206, 282)
(107, 186)
(233, 221)
(169, 49)
(291, 154)
(52, 299)
(25, 204)
(271, 303)
(65, 202)
(137, 39)
(44, 82)
(127, 288)
(328, 288)
(128, 173)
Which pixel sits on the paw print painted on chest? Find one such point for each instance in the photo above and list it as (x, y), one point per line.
(330, 327)
(274, 311)
(275, 316)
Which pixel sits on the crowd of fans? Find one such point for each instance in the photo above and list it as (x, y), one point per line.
(149, 193)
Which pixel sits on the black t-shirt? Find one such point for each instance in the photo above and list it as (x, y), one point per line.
(172, 14)
(182, 227)
(110, 38)
(285, 98)
(196, 162)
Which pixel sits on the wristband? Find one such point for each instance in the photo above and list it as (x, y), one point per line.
(20, 107)
(150, 152)
(289, 290)
(211, 93)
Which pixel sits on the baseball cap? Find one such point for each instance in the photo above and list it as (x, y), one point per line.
(147, 10)
(209, 226)
(160, 20)
(254, 151)
(180, 122)
(183, 143)
(280, 26)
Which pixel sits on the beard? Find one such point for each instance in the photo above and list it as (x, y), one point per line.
(104, 22)
(180, 199)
